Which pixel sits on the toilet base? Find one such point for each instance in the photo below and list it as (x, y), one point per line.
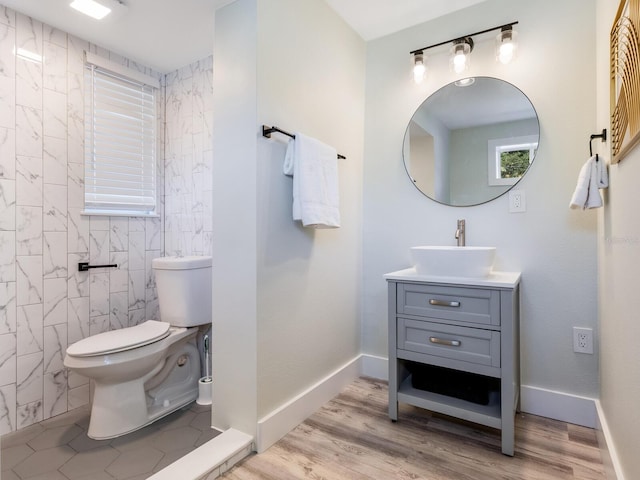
(108, 422)
(121, 408)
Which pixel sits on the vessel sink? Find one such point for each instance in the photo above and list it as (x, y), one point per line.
(474, 262)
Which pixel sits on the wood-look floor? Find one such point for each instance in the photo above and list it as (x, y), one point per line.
(351, 437)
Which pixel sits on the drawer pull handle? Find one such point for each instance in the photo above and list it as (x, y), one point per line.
(442, 303)
(448, 343)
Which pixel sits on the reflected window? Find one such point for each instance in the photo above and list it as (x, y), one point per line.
(509, 158)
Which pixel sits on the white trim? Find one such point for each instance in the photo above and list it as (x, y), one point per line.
(558, 405)
(610, 460)
(114, 67)
(211, 459)
(285, 418)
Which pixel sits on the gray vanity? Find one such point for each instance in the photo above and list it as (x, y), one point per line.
(454, 347)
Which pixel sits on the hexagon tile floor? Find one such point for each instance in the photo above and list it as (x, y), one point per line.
(59, 449)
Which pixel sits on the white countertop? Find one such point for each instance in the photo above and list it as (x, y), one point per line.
(495, 279)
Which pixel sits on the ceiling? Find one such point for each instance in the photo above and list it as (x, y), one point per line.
(169, 34)
(377, 18)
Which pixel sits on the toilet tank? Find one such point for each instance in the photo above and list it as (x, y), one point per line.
(184, 289)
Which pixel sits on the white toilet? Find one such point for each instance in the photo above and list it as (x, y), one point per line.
(145, 372)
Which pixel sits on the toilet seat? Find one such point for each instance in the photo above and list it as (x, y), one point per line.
(120, 340)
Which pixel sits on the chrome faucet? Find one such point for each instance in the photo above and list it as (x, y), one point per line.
(460, 233)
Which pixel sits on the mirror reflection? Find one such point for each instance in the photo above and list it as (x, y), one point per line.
(471, 141)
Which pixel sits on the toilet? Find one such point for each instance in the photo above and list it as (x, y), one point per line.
(147, 371)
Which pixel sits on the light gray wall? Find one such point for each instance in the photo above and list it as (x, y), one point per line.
(234, 345)
(619, 263)
(553, 247)
(286, 299)
(310, 79)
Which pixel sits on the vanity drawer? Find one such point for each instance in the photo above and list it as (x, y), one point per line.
(466, 344)
(471, 305)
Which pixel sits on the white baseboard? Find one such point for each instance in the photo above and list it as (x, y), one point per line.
(374, 367)
(278, 423)
(558, 405)
(610, 460)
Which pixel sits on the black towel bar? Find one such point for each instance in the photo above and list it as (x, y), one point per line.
(267, 131)
(84, 266)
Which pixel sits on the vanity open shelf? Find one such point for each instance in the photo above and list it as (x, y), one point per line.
(454, 347)
(488, 415)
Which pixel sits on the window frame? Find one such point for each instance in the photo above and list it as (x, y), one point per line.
(500, 145)
(148, 86)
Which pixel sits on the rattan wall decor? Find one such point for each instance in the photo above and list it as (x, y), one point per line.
(625, 80)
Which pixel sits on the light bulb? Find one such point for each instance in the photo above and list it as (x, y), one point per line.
(459, 62)
(418, 73)
(506, 52)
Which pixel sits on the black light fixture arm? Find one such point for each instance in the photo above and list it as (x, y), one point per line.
(464, 37)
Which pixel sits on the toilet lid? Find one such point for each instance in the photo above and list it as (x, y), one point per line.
(119, 340)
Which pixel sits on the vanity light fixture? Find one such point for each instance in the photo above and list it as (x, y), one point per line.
(506, 44)
(461, 54)
(462, 48)
(419, 67)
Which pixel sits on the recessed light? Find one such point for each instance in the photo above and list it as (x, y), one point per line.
(90, 7)
(465, 82)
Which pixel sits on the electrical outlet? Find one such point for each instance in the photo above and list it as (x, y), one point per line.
(582, 340)
(517, 201)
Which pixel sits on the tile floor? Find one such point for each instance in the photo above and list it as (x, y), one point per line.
(59, 449)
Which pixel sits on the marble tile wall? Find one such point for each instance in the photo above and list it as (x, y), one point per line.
(45, 303)
(188, 159)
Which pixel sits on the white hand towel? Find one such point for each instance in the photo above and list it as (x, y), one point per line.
(289, 156)
(593, 175)
(315, 183)
(601, 173)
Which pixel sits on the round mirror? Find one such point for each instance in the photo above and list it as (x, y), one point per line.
(471, 141)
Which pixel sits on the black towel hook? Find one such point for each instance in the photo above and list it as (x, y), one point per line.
(602, 136)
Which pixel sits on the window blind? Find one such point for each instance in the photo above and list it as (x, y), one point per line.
(120, 144)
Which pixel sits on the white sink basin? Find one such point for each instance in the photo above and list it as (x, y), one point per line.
(474, 262)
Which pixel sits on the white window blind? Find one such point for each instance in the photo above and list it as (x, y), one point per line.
(120, 144)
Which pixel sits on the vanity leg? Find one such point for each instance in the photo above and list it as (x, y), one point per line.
(508, 400)
(508, 439)
(393, 392)
(394, 364)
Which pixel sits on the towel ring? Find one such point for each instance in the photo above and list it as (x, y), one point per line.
(602, 136)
